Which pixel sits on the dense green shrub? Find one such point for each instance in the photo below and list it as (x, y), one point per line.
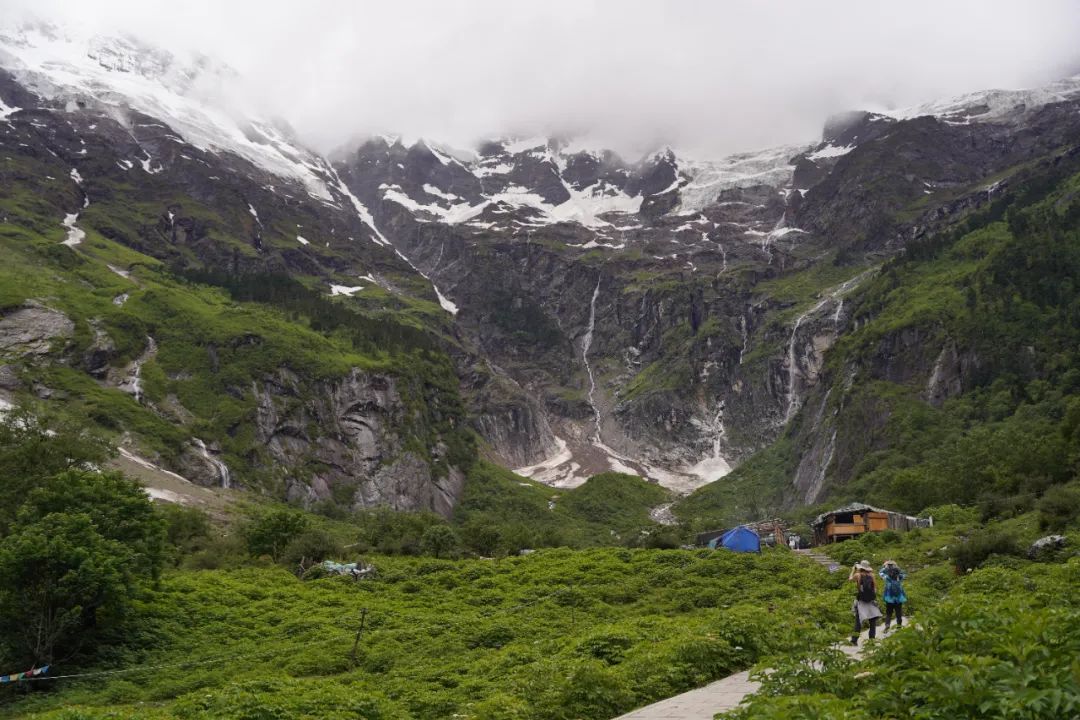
(271, 531)
(187, 529)
(982, 545)
(311, 545)
(82, 548)
(1003, 645)
(394, 533)
(218, 553)
(532, 637)
(1059, 507)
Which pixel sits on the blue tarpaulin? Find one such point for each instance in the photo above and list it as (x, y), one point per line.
(741, 539)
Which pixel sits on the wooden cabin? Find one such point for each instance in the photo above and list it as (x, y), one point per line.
(855, 519)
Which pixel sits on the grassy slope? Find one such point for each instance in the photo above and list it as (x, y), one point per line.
(558, 634)
(607, 509)
(250, 340)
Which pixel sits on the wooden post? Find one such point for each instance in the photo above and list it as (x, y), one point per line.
(359, 630)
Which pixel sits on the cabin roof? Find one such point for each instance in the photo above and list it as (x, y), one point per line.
(853, 508)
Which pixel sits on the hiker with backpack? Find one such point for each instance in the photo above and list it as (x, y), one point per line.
(893, 596)
(865, 604)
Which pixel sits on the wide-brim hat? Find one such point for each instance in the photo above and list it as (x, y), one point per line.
(889, 562)
(865, 565)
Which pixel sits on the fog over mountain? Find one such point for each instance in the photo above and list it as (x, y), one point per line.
(714, 78)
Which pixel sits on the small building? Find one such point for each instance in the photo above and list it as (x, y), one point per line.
(857, 518)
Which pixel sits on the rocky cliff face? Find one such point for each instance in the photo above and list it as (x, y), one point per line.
(344, 434)
(917, 358)
(708, 292)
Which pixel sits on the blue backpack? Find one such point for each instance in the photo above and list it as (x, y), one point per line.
(893, 588)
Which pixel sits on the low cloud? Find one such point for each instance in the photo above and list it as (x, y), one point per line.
(714, 77)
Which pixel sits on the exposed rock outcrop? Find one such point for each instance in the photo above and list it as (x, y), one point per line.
(32, 330)
(343, 434)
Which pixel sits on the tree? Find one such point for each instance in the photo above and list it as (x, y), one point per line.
(271, 532)
(81, 545)
(117, 506)
(187, 529)
(55, 574)
(31, 449)
(1059, 507)
(439, 540)
(482, 537)
(312, 545)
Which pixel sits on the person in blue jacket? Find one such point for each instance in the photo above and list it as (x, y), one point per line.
(893, 596)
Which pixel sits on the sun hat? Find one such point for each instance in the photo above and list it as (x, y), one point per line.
(865, 565)
(889, 562)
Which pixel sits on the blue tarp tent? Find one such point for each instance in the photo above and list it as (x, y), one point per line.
(741, 539)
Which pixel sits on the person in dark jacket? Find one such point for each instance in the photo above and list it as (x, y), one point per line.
(865, 604)
(893, 596)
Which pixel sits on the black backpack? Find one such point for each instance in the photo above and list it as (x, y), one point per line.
(866, 592)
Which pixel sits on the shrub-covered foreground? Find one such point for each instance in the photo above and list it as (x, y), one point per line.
(555, 634)
(1003, 644)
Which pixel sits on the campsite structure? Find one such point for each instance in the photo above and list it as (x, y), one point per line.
(740, 539)
(855, 519)
(768, 531)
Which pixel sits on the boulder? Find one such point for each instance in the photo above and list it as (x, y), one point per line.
(1046, 545)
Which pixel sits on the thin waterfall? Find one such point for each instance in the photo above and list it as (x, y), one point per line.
(586, 344)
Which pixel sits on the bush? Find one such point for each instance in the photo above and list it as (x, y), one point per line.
(592, 690)
(973, 552)
(219, 553)
(662, 539)
(951, 515)
(312, 546)
(186, 528)
(1059, 507)
(609, 647)
(439, 540)
(394, 533)
(271, 532)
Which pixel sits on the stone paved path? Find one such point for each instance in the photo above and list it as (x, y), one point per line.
(704, 702)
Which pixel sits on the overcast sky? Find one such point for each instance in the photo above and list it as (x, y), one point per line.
(713, 76)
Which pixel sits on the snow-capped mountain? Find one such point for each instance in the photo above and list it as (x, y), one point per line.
(539, 219)
(993, 106)
(603, 312)
(514, 183)
(120, 75)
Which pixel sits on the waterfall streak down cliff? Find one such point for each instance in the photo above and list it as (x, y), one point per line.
(586, 343)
